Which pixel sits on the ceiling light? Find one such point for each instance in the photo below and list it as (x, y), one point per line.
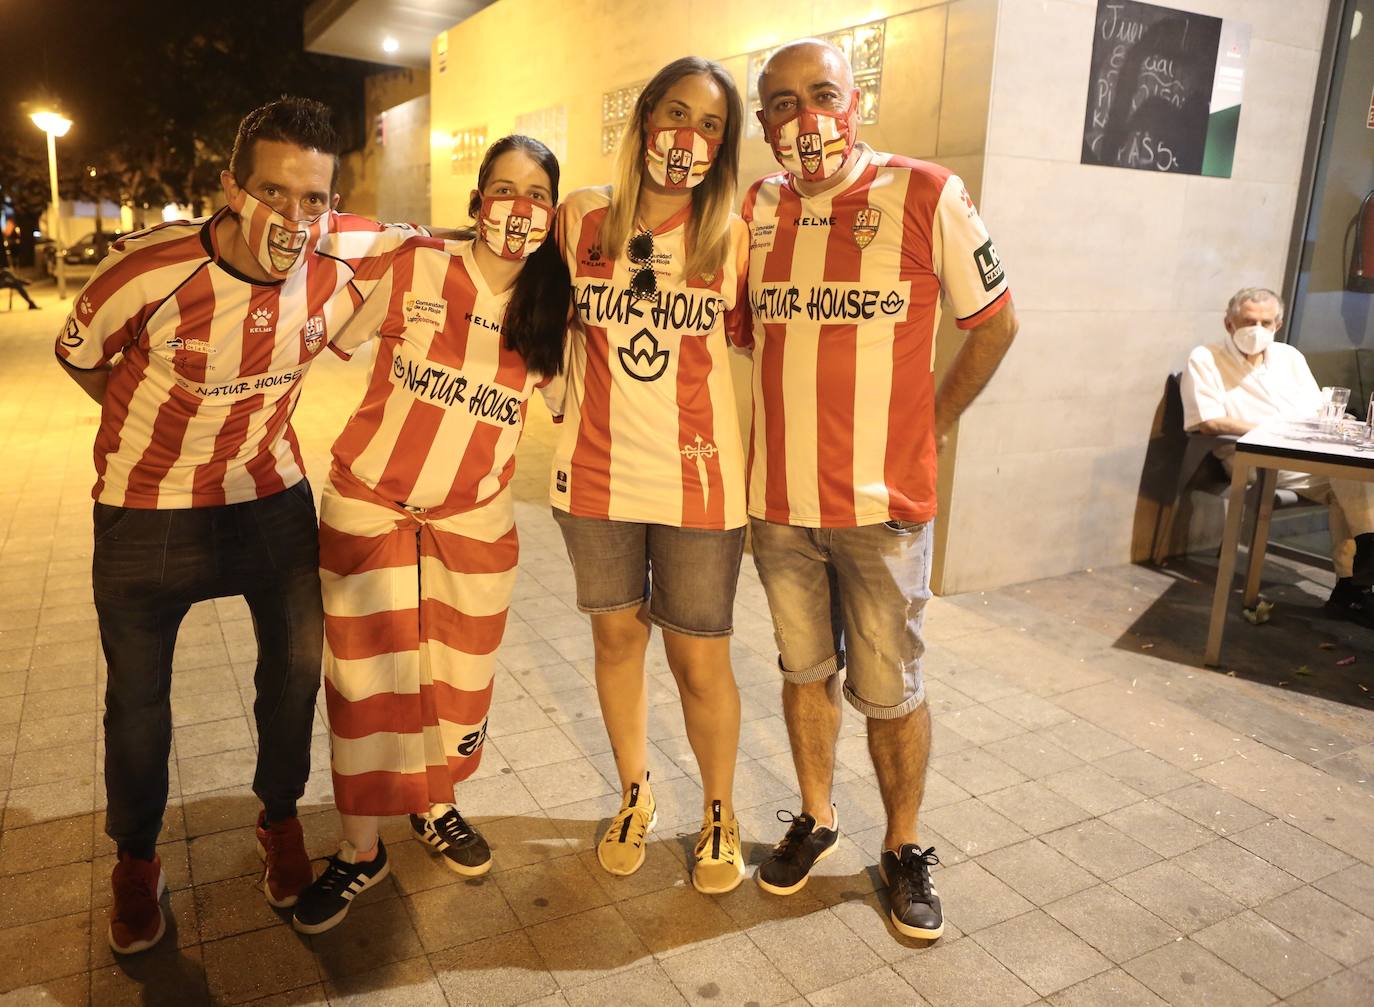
(389, 44)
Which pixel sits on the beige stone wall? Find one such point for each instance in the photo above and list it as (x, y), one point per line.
(1116, 274)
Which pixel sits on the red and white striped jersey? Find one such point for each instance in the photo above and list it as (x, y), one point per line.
(844, 291)
(445, 406)
(207, 363)
(650, 432)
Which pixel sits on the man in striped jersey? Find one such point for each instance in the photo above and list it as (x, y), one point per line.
(850, 252)
(194, 337)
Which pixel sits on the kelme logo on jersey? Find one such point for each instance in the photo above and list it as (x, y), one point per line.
(262, 320)
(643, 360)
(84, 308)
(866, 223)
(989, 265)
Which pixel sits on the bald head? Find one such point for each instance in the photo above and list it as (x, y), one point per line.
(808, 72)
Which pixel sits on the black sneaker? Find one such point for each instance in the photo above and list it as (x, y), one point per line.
(463, 848)
(326, 902)
(1348, 601)
(915, 905)
(787, 870)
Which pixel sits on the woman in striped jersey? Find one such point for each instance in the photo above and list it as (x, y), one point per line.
(648, 480)
(417, 536)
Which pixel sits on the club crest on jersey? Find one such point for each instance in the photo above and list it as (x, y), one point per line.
(313, 333)
(517, 230)
(679, 162)
(810, 147)
(644, 360)
(262, 320)
(866, 223)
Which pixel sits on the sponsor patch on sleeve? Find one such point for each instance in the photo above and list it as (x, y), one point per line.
(989, 265)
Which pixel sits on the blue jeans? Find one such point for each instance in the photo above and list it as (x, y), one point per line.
(150, 566)
(852, 600)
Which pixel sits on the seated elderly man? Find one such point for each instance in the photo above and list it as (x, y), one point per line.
(1232, 386)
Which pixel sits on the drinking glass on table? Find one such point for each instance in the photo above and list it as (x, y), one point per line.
(1334, 408)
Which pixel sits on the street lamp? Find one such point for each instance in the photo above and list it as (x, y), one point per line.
(55, 125)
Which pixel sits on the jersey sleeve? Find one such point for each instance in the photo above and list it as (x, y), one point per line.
(965, 260)
(553, 389)
(739, 319)
(357, 239)
(1202, 390)
(367, 319)
(106, 316)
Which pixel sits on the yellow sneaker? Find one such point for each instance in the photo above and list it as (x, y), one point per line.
(719, 866)
(621, 850)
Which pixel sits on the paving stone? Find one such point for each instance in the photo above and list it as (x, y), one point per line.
(65, 944)
(1144, 772)
(257, 964)
(1030, 712)
(1112, 923)
(1085, 740)
(973, 898)
(399, 984)
(1354, 886)
(1042, 954)
(731, 971)
(1185, 974)
(1237, 872)
(1092, 789)
(1115, 987)
(1035, 808)
(870, 918)
(981, 724)
(1103, 850)
(962, 974)
(1301, 855)
(790, 945)
(1213, 808)
(973, 827)
(1330, 926)
(1160, 828)
(1179, 898)
(1036, 871)
(1033, 755)
(646, 985)
(494, 972)
(576, 961)
(881, 987)
(378, 934)
(675, 919)
(1272, 957)
(976, 771)
(1351, 988)
(460, 913)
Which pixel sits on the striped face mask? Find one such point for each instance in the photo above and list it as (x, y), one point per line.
(812, 145)
(281, 246)
(679, 158)
(514, 226)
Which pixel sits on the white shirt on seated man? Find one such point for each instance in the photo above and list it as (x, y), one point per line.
(1247, 379)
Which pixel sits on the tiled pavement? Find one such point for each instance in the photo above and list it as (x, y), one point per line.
(1116, 825)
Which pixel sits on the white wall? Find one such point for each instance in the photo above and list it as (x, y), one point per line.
(1116, 274)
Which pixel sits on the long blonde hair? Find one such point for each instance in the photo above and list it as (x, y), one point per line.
(708, 231)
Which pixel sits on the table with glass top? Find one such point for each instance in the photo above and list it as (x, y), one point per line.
(1338, 451)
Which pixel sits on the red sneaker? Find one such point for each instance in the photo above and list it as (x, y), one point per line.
(282, 849)
(136, 920)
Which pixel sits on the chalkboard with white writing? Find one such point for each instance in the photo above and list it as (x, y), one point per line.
(1150, 88)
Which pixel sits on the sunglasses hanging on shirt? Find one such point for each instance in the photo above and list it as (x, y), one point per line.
(643, 281)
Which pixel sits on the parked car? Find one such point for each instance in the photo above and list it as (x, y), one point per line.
(85, 251)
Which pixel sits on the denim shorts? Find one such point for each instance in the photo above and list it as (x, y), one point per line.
(688, 575)
(851, 600)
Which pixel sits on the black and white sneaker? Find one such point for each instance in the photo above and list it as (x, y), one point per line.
(326, 902)
(789, 868)
(915, 906)
(462, 847)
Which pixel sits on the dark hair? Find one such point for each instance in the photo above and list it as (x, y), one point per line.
(300, 121)
(537, 317)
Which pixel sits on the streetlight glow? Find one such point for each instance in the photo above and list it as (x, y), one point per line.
(55, 124)
(52, 122)
(389, 44)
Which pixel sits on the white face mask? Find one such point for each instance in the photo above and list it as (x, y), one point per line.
(1252, 339)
